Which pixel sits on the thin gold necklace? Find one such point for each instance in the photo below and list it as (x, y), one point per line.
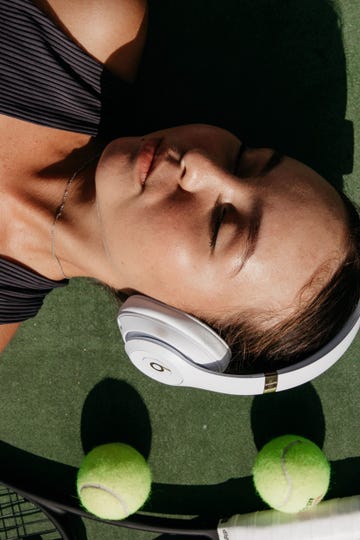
(60, 209)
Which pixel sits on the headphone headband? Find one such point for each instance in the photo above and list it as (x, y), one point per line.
(175, 348)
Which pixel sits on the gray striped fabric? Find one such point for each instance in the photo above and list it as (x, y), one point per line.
(22, 292)
(45, 77)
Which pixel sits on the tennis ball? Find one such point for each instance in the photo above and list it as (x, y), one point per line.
(113, 481)
(291, 474)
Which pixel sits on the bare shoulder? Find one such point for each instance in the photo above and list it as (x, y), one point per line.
(7, 332)
(112, 31)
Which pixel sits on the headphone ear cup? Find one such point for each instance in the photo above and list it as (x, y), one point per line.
(166, 336)
(156, 360)
(175, 348)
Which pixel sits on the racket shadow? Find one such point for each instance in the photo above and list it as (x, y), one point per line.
(53, 485)
(51, 482)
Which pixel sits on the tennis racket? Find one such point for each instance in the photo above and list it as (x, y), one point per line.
(335, 519)
(21, 519)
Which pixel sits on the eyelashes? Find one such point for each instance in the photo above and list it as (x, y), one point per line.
(220, 210)
(217, 219)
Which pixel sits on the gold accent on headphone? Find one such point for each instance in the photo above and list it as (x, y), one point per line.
(271, 381)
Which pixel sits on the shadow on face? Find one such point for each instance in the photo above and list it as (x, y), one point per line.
(271, 72)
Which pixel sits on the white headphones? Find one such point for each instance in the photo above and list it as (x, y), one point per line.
(175, 348)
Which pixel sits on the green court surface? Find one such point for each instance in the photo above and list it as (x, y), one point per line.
(282, 73)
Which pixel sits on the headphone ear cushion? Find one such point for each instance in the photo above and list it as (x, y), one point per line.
(147, 322)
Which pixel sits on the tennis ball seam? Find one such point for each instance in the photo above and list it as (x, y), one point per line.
(286, 473)
(110, 492)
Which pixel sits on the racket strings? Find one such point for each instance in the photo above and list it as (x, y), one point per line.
(20, 519)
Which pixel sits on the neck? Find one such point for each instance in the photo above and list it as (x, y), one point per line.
(77, 244)
(32, 184)
(61, 207)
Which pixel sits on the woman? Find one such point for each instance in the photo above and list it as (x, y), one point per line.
(254, 243)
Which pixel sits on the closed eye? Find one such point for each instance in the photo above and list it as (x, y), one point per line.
(245, 169)
(216, 220)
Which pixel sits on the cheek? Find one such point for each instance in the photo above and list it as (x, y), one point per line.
(159, 236)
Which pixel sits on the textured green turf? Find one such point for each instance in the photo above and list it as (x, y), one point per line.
(285, 73)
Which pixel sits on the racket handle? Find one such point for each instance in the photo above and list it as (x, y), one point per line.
(335, 519)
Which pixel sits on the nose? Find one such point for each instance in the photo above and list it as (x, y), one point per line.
(198, 173)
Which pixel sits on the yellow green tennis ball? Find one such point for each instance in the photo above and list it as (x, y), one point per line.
(291, 474)
(113, 481)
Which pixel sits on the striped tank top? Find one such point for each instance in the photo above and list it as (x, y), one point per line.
(47, 79)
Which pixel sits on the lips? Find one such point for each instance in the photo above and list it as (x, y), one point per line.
(146, 158)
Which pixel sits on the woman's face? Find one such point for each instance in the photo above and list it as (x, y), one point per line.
(192, 217)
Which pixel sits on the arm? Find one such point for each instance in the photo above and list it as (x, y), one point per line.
(6, 333)
(112, 31)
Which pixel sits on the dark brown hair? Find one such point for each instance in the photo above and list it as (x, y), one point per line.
(257, 349)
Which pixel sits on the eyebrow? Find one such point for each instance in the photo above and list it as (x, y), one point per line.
(252, 238)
